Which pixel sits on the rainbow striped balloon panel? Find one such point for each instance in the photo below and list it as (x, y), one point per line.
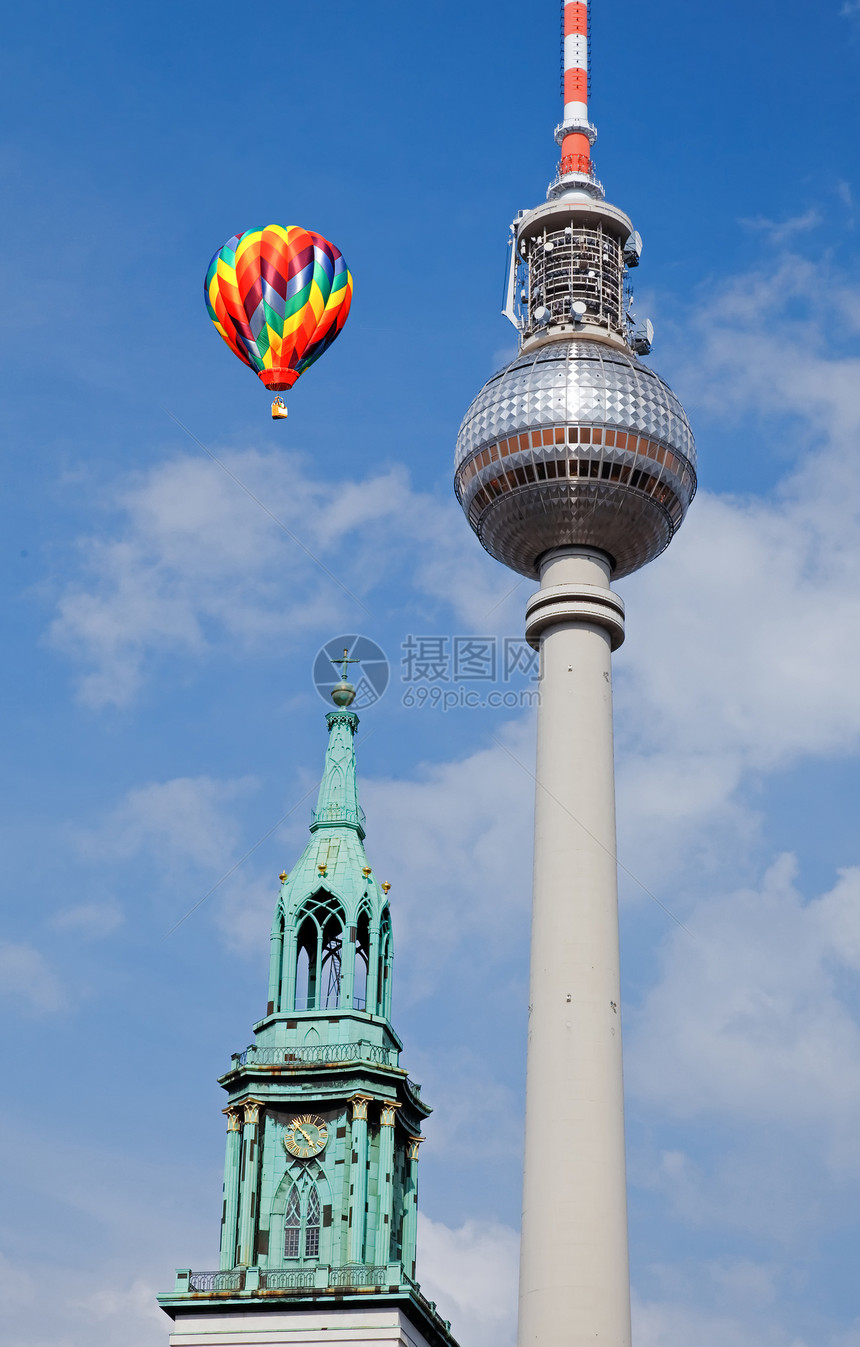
(279, 297)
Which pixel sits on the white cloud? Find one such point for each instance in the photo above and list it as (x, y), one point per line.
(28, 981)
(17, 1287)
(83, 1307)
(672, 1324)
(745, 1281)
(750, 1023)
(187, 820)
(119, 1309)
(92, 921)
(195, 565)
(457, 839)
(466, 1093)
(95, 1281)
(472, 1274)
(782, 230)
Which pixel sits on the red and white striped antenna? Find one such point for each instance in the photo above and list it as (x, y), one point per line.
(576, 135)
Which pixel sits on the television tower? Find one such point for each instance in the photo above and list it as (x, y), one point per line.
(575, 465)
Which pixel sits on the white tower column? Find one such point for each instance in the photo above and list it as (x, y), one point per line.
(574, 1279)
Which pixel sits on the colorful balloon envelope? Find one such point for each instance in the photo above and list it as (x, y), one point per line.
(279, 297)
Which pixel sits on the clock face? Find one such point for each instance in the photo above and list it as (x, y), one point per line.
(305, 1136)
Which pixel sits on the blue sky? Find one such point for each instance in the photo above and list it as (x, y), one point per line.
(161, 630)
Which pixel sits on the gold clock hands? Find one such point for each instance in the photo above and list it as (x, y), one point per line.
(308, 1139)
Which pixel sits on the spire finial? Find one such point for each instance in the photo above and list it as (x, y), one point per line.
(343, 693)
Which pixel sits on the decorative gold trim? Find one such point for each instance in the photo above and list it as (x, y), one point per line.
(234, 1123)
(359, 1107)
(388, 1112)
(414, 1143)
(252, 1111)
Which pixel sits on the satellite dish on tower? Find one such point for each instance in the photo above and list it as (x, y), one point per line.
(542, 314)
(579, 310)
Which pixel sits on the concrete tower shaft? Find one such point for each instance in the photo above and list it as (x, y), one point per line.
(574, 1277)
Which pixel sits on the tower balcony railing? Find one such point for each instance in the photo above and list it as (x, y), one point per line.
(217, 1282)
(317, 1054)
(288, 1279)
(297, 1280)
(358, 1275)
(338, 813)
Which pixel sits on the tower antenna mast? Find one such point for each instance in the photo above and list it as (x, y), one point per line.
(575, 135)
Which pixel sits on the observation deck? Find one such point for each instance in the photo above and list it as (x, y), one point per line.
(575, 443)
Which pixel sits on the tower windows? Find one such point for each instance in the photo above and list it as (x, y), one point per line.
(362, 962)
(330, 965)
(318, 952)
(279, 956)
(332, 959)
(312, 1224)
(302, 1223)
(292, 1224)
(383, 985)
(306, 965)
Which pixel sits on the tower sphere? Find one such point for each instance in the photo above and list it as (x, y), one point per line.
(576, 443)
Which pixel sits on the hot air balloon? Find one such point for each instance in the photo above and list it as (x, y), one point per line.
(279, 297)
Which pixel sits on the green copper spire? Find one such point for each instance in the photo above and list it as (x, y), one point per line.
(338, 805)
(331, 936)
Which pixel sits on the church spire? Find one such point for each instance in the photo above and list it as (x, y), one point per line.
(337, 805)
(319, 1212)
(331, 936)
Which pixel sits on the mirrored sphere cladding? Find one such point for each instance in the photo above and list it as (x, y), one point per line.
(575, 443)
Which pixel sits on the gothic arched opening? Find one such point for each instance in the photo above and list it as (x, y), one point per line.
(302, 1222)
(307, 942)
(362, 961)
(383, 984)
(332, 962)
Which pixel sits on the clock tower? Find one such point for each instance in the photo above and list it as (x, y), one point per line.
(319, 1213)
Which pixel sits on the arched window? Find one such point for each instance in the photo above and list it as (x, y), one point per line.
(312, 1224)
(292, 1224)
(319, 953)
(383, 985)
(306, 965)
(302, 1218)
(362, 962)
(332, 956)
(278, 989)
